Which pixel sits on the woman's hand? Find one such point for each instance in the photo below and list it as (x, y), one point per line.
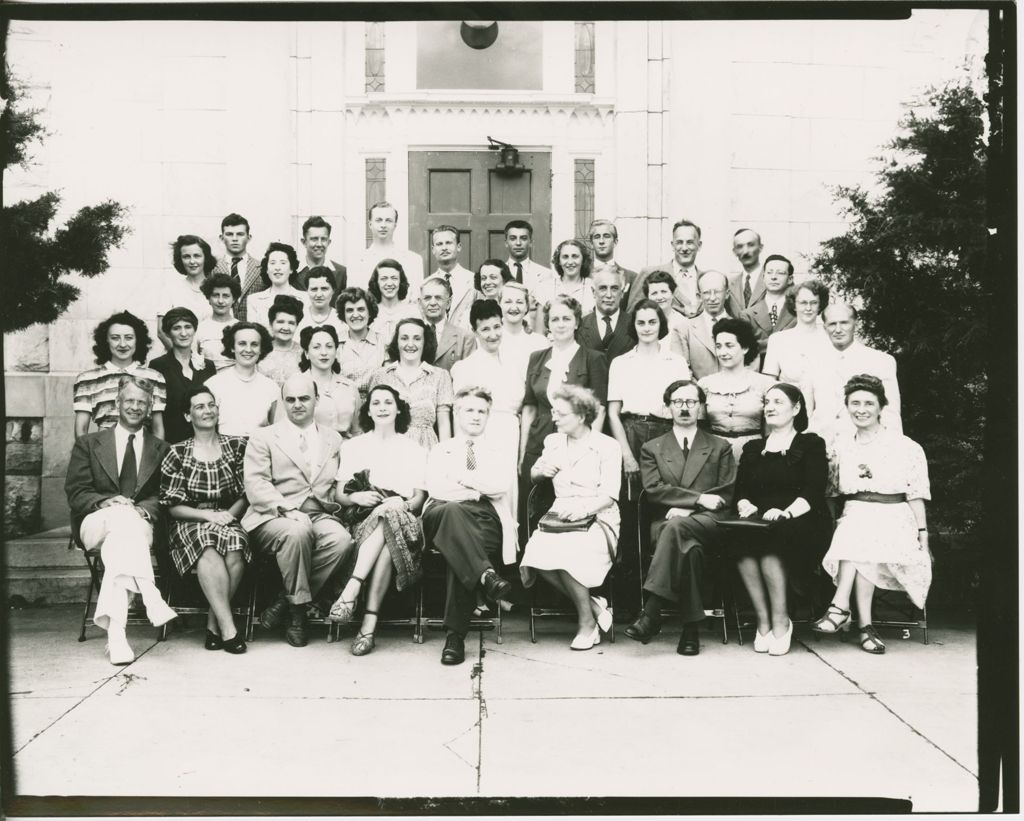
(220, 517)
(545, 468)
(745, 508)
(366, 498)
(572, 511)
(394, 503)
(774, 514)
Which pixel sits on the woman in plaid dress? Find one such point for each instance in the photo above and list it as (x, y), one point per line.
(201, 485)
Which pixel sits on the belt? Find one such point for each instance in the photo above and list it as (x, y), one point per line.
(639, 417)
(735, 434)
(882, 498)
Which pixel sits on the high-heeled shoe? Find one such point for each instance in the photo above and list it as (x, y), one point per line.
(234, 645)
(834, 620)
(213, 641)
(870, 642)
(363, 643)
(603, 614)
(586, 641)
(342, 611)
(761, 641)
(779, 645)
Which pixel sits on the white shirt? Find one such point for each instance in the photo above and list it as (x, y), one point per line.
(361, 270)
(438, 328)
(778, 300)
(687, 279)
(684, 435)
(833, 370)
(755, 280)
(121, 435)
(307, 440)
(639, 381)
(179, 294)
(614, 319)
(534, 274)
(446, 464)
(397, 463)
(710, 321)
(244, 404)
(461, 280)
(504, 377)
(331, 319)
(210, 339)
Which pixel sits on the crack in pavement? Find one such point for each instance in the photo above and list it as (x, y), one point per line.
(571, 666)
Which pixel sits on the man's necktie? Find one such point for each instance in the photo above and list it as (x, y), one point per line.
(129, 475)
(470, 455)
(773, 315)
(607, 330)
(746, 291)
(519, 273)
(686, 448)
(234, 266)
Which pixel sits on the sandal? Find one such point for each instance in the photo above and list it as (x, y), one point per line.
(342, 611)
(364, 643)
(834, 620)
(869, 640)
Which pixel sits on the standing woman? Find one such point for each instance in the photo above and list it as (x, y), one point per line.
(381, 507)
(363, 350)
(283, 360)
(193, 258)
(781, 480)
(120, 345)
(390, 287)
(792, 353)
(427, 389)
(490, 277)
(201, 485)
(245, 397)
(338, 403)
(735, 406)
(517, 339)
(572, 261)
(881, 540)
(279, 264)
(182, 369)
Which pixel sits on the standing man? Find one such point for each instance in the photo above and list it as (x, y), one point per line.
(746, 288)
(683, 268)
(604, 237)
(519, 241)
(606, 328)
(453, 343)
(316, 239)
(698, 341)
(237, 262)
(445, 247)
(290, 468)
(383, 219)
(772, 313)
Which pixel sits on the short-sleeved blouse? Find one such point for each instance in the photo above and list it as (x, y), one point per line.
(95, 391)
(278, 365)
(180, 294)
(639, 381)
(794, 353)
(359, 358)
(244, 404)
(430, 390)
(258, 305)
(194, 482)
(338, 406)
(736, 411)
(397, 463)
(890, 463)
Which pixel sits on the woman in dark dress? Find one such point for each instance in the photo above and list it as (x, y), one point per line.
(182, 369)
(781, 480)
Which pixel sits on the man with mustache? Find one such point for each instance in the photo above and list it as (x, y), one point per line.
(746, 288)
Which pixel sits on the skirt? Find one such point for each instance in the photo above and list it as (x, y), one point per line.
(583, 555)
(799, 542)
(189, 540)
(403, 538)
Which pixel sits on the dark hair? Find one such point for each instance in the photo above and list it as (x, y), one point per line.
(176, 315)
(779, 258)
(506, 274)
(869, 383)
(451, 229)
(521, 224)
(403, 280)
(482, 309)
(588, 258)
(221, 281)
(402, 419)
(209, 263)
(228, 338)
(306, 337)
(316, 222)
(100, 347)
(682, 383)
(196, 390)
(293, 260)
(793, 394)
(286, 304)
(658, 278)
(353, 295)
(572, 304)
(816, 287)
(647, 305)
(684, 223)
(429, 339)
(381, 204)
(744, 333)
(320, 272)
(234, 219)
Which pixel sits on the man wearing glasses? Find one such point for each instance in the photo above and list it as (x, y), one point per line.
(698, 341)
(682, 267)
(604, 237)
(688, 476)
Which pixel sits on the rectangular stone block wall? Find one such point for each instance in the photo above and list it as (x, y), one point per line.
(23, 458)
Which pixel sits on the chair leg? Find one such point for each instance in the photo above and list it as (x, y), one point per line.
(924, 623)
(94, 585)
(500, 640)
(417, 635)
(611, 609)
(533, 618)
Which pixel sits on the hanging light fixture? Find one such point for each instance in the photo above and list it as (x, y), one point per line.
(508, 157)
(479, 34)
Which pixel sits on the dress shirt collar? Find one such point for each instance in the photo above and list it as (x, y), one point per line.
(681, 433)
(310, 433)
(775, 299)
(679, 269)
(132, 367)
(600, 319)
(439, 327)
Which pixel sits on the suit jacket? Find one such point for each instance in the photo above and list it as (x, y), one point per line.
(672, 481)
(250, 281)
(699, 347)
(589, 336)
(339, 280)
(587, 368)
(757, 315)
(680, 301)
(93, 472)
(277, 473)
(455, 344)
(736, 306)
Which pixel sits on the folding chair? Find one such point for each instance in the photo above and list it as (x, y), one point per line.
(794, 595)
(912, 617)
(184, 595)
(267, 577)
(435, 568)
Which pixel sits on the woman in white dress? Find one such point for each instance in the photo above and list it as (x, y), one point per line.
(389, 286)
(881, 539)
(792, 353)
(572, 261)
(584, 466)
(516, 337)
(246, 397)
(193, 258)
(338, 400)
(277, 268)
(284, 318)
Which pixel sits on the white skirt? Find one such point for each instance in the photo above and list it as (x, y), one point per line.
(583, 555)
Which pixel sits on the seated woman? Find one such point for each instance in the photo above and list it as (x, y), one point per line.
(193, 259)
(361, 352)
(283, 359)
(338, 403)
(390, 287)
(584, 466)
(120, 344)
(277, 268)
(490, 277)
(380, 486)
(881, 539)
(201, 486)
(427, 389)
(182, 369)
(245, 397)
(735, 394)
(780, 480)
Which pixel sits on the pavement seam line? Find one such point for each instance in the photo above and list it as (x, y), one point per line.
(482, 706)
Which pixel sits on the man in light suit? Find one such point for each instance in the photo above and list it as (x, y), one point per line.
(683, 268)
(453, 343)
(697, 341)
(445, 248)
(606, 328)
(113, 488)
(289, 481)
(237, 262)
(746, 288)
(689, 475)
(772, 313)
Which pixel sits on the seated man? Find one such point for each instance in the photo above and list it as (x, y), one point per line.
(691, 473)
(116, 516)
(465, 477)
(289, 480)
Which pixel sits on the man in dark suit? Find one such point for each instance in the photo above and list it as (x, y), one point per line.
(113, 485)
(686, 244)
(605, 329)
(236, 262)
(746, 288)
(689, 474)
(453, 343)
(316, 239)
(604, 236)
(772, 313)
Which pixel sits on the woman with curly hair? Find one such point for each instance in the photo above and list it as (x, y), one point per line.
(338, 398)
(794, 352)
(389, 286)
(120, 344)
(572, 261)
(245, 397)
(362, 351)
(381, 487)
(277, 268)
(284, 318)
(182, 369)
(193, 258)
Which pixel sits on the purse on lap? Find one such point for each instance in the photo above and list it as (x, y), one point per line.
(550, 523)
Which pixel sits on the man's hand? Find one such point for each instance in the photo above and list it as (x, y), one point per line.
(298, 516)
(710, 501)
(629, 465)
(117, 500)
(773, 514)
(677, 513)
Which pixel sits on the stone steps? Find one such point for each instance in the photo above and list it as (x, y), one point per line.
(41, 569)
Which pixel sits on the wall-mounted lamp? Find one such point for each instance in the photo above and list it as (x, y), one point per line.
(479, 34)
(508, 158)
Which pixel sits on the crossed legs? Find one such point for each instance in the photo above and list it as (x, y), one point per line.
(219, 577)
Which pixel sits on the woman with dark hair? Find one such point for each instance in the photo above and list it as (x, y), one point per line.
(735, 406)
(182, 369)
(381, 487)
(338, 403)
(572, 261)
(792, 353)
(245, 397)
(202, 487)
(193, 259)
(574, 546)
(362, 351)
(427, 389)
(277, 268)
(781, 482)
(390, 287)
(283, 360)
(490, 277)
(880, 478)
(221, 292)
(120, 344)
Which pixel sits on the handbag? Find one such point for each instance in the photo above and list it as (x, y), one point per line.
(744, 524)
(550, 523)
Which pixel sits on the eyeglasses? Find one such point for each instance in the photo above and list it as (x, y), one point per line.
(684, 403)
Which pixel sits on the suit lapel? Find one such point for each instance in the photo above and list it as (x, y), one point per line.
(150, 460)
(577, 367)
(447, 340)
(325, 454)
(699, 451)
(252, 274)
(672, 459)
(106, 455)
(290, 449)
(759, 315)
(701, 332)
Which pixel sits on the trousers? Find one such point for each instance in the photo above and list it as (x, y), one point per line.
(307, 554)
(677, 568)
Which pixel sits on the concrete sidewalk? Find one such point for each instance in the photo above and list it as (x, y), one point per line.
(517, 719)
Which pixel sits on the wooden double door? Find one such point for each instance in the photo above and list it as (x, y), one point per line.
(464, 189)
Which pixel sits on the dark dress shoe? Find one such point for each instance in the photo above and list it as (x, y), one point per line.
(454, 650)
(274, 616)
(296, 633)
(235, 646)
(213, 641)
(643, 629)
(689, 642)
(495, 587)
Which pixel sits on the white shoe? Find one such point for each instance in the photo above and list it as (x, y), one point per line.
(586, 641)
(159, 612)
(779, 645)
(118, 649)
(603, 615)
(761, 643)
